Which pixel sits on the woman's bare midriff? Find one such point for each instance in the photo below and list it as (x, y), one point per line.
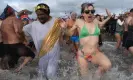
(89, 44)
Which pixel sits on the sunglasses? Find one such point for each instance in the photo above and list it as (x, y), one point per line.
(89, 11)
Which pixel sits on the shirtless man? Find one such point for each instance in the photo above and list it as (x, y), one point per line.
(13, 38)
(74, 38)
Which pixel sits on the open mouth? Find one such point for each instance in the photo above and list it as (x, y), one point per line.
(90, 17)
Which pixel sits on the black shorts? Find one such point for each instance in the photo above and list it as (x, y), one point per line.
(14, 51)
(18, 49)
(1, 49)
(128, 43)
(125, 34)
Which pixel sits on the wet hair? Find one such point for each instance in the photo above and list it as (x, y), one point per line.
(71, 13)
(97, 15)
(84, 5)
(46, 11)
(131, 10)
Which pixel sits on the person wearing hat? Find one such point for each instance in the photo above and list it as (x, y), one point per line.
(13, 38)
(45, 33)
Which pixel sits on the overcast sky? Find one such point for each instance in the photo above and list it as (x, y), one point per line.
(60, 7)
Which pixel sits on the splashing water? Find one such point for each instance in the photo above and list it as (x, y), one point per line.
(68, 67)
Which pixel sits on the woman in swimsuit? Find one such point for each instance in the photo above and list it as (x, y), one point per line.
(89, 31)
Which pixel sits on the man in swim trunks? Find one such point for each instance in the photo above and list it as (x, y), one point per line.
(75, 37)
(13, 39)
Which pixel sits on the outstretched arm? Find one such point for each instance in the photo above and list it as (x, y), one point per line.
(101, 24)
(71, 31)
(64, 24)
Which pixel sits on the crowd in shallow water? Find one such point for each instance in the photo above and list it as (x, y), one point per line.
(42, 38)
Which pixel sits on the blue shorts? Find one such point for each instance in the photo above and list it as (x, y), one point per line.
(75, 38)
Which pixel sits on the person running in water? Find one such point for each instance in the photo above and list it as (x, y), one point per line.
(125, 33)
(129, 37)
(39, 31)
(13, 39)
(75, 37)
(119, 31)
(89, 31)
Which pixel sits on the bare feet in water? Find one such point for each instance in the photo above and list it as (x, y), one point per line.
(18, 69)
(97, 75)
(125, 52)
(1, 71)
(131, 68)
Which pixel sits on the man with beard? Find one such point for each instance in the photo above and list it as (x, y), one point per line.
(45, 32)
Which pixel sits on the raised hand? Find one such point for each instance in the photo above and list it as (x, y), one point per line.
(108, 13)
(62, 23)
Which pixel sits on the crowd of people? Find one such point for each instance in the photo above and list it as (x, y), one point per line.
(20, 37)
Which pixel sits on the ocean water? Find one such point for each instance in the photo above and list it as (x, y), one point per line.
(68, 67)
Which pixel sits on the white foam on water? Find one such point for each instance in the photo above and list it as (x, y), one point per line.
(68, 67)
